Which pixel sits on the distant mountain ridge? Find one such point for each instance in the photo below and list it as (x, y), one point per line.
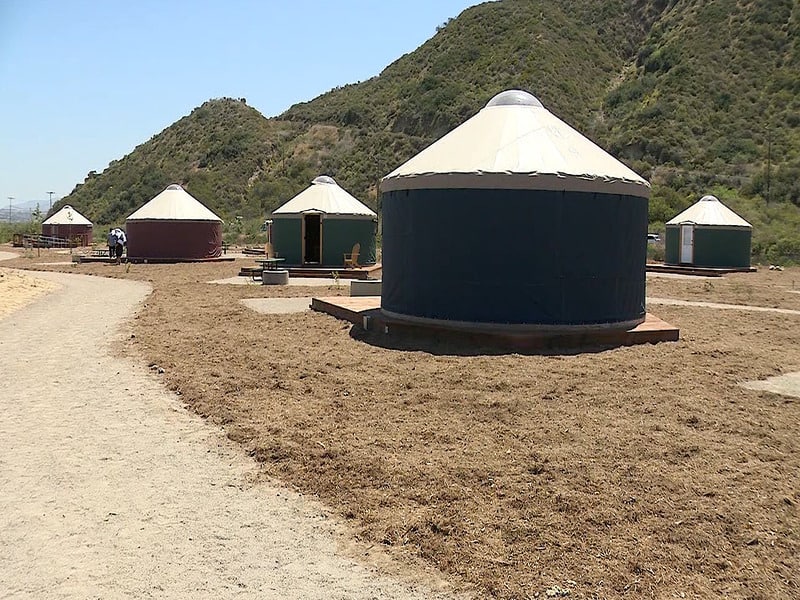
(691, 94)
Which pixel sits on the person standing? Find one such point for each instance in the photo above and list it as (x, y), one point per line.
(112, 243)
(122, 241)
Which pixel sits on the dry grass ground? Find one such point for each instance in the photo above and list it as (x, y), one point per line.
(634, 472)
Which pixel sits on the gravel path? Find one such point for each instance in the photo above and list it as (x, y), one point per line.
(110, 489)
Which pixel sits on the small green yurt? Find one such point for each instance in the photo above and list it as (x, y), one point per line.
(708, 234)
(322, 224)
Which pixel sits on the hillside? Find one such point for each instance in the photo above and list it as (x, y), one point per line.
(694, 95)
(710, 87)
(566, 57)
(217, 151)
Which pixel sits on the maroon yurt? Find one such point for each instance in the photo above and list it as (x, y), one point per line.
(70, 225)
(174, 226)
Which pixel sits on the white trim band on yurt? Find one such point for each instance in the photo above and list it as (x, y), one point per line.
(324, 196)
(516, 143)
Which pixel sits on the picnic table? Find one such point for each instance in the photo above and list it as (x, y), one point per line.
(269, 264)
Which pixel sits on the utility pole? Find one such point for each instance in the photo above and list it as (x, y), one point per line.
(10, 198)
(51, 200)
(769, 159)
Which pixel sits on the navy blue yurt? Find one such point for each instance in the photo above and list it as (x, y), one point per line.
(515, 220)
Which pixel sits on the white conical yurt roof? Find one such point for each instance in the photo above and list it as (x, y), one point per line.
(516, 143)
(325, 196)
(709, 211)
(66, 216)
(174, 204)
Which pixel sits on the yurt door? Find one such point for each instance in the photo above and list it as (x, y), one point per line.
(687, 244)
(312, 239)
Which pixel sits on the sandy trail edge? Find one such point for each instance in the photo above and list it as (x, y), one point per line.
(111, 489)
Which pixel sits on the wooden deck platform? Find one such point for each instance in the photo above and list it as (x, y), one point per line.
(693, 270)
(365, 272)
(96, 258)
(169, 261)
(365, 312)
(84, 258)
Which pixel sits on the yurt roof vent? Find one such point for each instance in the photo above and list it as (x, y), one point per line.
(709, 198)
(175, 186)
(514, 98)
(324, 179)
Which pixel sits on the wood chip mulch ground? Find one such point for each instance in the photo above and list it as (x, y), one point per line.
(645, 471)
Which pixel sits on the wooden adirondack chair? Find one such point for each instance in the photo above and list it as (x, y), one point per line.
(351, 258)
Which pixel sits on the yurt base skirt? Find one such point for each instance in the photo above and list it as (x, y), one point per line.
(511, 328)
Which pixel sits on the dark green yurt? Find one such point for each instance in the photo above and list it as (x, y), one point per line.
(514, 221)
(321, 225)
(708, 234)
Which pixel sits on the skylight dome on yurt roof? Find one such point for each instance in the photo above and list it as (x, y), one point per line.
(514, 98)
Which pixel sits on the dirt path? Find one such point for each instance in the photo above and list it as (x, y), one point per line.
(674, 302)
(110, 489)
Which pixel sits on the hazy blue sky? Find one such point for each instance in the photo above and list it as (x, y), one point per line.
(84, 82)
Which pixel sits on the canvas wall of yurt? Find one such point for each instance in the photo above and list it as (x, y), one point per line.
(708, 234)
(68, 224)
(321, 224)
(174, 226)
(515, 219)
